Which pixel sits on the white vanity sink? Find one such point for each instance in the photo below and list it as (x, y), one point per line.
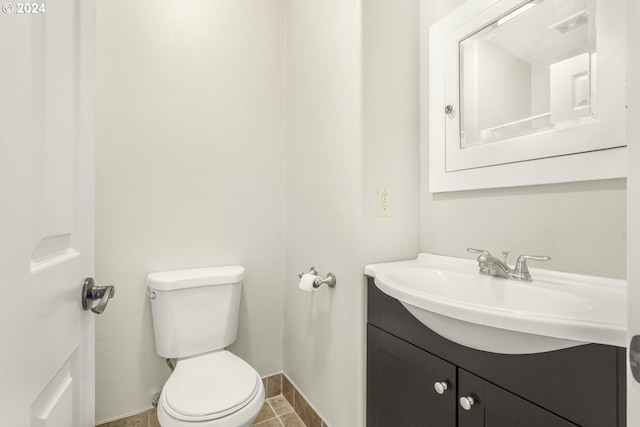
(557, 310)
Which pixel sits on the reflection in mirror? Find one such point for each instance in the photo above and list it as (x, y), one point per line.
(530, 71)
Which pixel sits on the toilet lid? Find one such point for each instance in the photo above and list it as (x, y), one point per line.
(211, 386)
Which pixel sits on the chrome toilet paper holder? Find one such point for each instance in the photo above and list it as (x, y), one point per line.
(330, 280)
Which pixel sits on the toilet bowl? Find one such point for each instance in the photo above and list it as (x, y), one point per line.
(216, 389)
(195, 316)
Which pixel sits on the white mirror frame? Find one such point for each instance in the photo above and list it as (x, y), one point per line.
(582, 166)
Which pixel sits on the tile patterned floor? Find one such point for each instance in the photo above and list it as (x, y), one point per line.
(284, 407)
(277, 412)
(145, 419)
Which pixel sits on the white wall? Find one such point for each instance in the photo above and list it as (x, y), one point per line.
(352, 125)
(582, 226)
(190, 173)
(391, 126)
(323, 332)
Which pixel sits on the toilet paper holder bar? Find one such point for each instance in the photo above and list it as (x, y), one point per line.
(330, 280)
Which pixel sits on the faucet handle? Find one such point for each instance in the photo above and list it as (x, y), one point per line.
(479, 251)
(482, 264)
(534, 258)
(522, 271)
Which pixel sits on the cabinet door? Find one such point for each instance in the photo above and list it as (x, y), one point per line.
(401, 379)
(496, 407)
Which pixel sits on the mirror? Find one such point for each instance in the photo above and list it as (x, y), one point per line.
(533, 93)
(529, 71)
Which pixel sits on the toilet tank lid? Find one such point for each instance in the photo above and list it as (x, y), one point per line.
(195, 277)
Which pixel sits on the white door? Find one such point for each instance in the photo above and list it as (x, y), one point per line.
(633, 215)
(46, 212)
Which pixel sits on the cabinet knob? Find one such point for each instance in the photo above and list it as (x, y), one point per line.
(466, 402)
(441, 386)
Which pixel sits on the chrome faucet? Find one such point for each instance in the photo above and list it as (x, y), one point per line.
(492, 266)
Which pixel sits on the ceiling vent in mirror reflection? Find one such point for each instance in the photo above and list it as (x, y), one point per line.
(572, 23)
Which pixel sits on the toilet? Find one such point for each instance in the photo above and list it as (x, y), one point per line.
(195, 316)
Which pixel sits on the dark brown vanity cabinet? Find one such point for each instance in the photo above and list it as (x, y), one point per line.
(401, 385)
(496, 407)
(416, 378)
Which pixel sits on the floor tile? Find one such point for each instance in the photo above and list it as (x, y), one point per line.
(276, 411)
(266, 413)
(273, 422)
(153, 418)
(140, 420)
(291, 420)
(280, 405)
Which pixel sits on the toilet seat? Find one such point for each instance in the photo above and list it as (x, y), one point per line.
(209, 386)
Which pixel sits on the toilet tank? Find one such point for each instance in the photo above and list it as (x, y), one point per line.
(195, 311)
